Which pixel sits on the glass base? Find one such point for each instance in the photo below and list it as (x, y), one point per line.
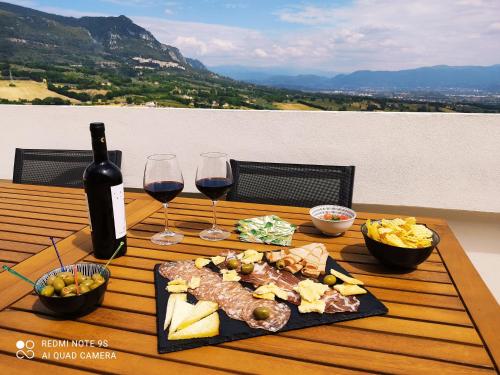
(167, 238)
(214, 234)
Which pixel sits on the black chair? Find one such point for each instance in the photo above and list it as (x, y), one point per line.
(291, 184)
(55, 167)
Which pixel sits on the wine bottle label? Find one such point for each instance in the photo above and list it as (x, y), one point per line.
(118, 199)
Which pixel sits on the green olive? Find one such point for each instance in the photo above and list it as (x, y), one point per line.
(67, 277)
(329, 280)
(71, 288)
(87, 282)
(261, 313)
(94, 286)
(98, 277)
(47, 291)
(69, 295)
(51, 279)
(67, 290)
(232, 264)
(83, 289)
(247, 268)
(58, 284)
(280, 264)
(80, 277)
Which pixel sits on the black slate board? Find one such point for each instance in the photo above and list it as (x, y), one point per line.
(231, 329)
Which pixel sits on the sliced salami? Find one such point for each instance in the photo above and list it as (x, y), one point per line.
(236, 301)
(264, 273)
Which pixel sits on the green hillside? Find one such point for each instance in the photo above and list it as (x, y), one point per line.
(113, 61)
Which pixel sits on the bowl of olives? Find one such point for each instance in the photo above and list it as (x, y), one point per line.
(59, 292)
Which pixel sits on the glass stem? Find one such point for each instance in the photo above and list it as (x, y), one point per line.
(214, 225)
(165, 211)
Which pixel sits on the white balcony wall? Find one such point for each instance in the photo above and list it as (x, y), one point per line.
(449, 161)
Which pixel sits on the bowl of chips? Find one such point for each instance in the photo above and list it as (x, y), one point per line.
(399, 242)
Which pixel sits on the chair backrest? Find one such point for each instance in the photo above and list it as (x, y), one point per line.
(291, 184)
(55, 167)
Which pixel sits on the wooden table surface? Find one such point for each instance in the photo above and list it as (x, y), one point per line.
(441, 318)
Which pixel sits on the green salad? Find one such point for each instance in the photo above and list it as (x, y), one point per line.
(266, 229)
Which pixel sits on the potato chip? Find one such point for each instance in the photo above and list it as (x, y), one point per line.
(400, 232)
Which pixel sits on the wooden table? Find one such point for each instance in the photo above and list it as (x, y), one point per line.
(442, 318)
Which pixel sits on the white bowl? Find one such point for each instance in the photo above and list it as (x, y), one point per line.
(332, 228)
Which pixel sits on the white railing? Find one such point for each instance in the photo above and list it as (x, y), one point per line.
(436, 160)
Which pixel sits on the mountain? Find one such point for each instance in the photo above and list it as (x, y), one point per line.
(439, 77)
(30, 35)
(435, 78)
(272, 76)
(196, 64)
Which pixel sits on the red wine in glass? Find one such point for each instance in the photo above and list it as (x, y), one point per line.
(214, 188)
(164, 191)
(214, 178)
(163, 181)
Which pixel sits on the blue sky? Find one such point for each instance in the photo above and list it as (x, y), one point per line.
(312, 35)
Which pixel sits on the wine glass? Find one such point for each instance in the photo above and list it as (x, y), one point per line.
(214, 178)
(163, 181)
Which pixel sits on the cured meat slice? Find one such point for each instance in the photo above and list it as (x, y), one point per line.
(336, 302)
(236, 301)
(263, 274)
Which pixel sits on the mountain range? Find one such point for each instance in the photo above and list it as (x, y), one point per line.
(28, 35)
(434, 78)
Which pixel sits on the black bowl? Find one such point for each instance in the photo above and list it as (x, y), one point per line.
(77, 305)
(401, 257)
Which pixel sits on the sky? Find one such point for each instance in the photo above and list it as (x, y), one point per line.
(312, 35)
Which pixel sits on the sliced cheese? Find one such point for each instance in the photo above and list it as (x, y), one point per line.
(309, 290)
(345, 278)
(177, 282)
(207, 327)
(316, 306)
(201, 262)
(201, 310)
(194, 282)
(349, 289)
(170, 307)
(180, 288)
(230, 275)
(269, 296)
(251, 256)
(217, 259)
(268, 289)
(182, 310)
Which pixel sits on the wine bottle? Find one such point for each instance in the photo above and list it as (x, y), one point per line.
(103, 184)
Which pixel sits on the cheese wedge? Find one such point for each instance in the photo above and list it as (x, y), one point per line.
(180, 288)
(349, 289)
(345, 278)
(182, 310)
(170, 307)
(217, 259)
(201, 262)
(201, 310)
(207, 327)
(315, 306)
(194, 282)
(269, 296)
